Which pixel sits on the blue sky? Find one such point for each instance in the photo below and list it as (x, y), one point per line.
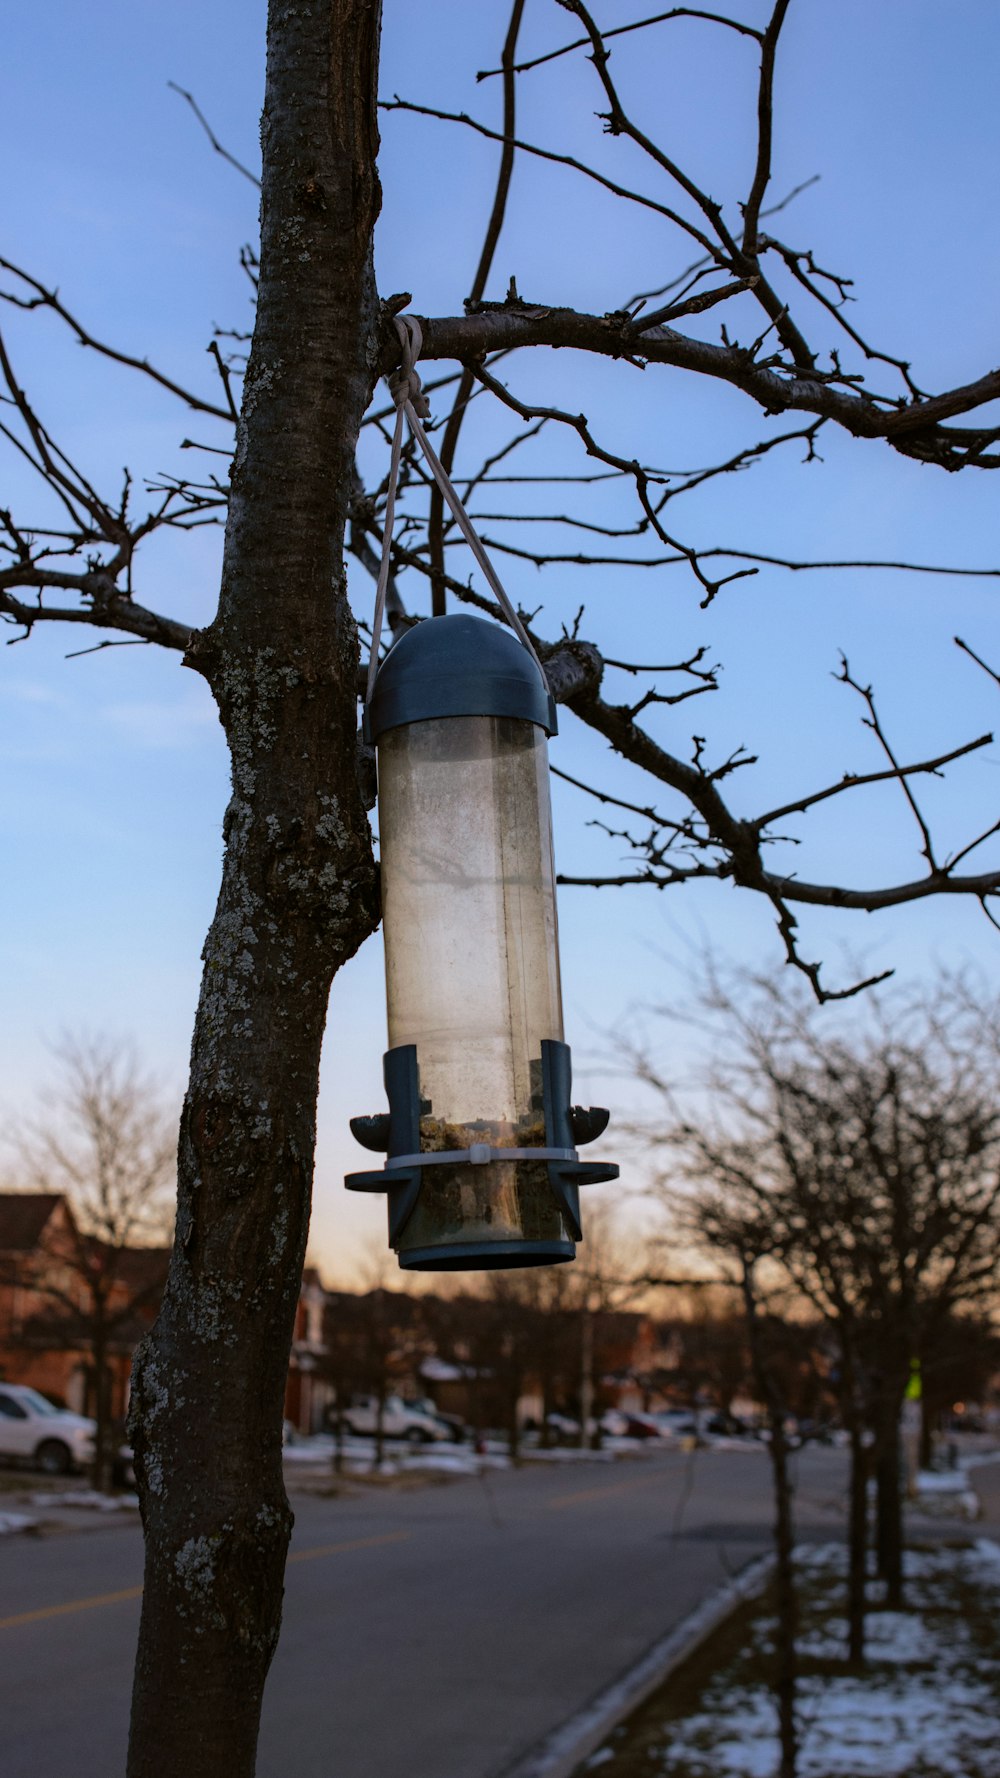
(114, 774)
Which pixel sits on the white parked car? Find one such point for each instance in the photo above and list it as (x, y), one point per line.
(399, 1420)
(677, 1422)
(55, 1440)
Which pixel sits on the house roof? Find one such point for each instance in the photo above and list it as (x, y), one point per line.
(140, 1269)
(23, 1216)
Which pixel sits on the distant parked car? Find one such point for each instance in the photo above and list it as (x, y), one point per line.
(963, 1419)
(454, 1425)
(817, 1432)
(641, 1426)
(36, 1431)
(398, 1421)
(613, 1423)
(563, 1426)
(728, 1426)
(676, 1422)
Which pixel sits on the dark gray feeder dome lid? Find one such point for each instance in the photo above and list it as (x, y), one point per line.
(458, 666)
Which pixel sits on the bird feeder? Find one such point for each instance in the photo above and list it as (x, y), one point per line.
(480, 1137)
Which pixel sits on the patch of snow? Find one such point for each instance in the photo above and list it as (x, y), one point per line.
(829, 1556)
(976, 1459)
(568, 1454)
(923, 1704)
(456, 1461)
(899, 1637)
(89, 1500)
(823, 1645)
(438, 1370)
(313, 1450)
(12, 1523)
(848, 1728)
(984, 1560)
(942, 1481)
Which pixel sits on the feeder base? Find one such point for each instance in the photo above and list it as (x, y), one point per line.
(494, 1256)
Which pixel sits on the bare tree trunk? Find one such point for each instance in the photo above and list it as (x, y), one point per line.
(379, 1428)
(852, 1405)
(857, 1541)
(889, 1506)
(586, 1372)
(545, 1435)
(477, 1406)
(297, 898)
(101, 1476)
(786, 1655)
(928, 1415)
(786, 1674)
(513, 1424)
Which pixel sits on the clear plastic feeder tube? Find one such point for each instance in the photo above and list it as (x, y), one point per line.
(472, 969)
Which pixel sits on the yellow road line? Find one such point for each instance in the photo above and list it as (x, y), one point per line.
(34, 1617)
(604, 1493)
(98, 1599)
(356, 1543)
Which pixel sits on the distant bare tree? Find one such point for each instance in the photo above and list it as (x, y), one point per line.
(872, 1152)
(603, 1285)
(711, 1349)
(741, 1236)
(102, 1136)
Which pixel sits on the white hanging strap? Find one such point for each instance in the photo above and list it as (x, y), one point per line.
(383, 571)
(407, 393)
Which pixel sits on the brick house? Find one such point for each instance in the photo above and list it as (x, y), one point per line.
(47, 1273)
(46, 1303)
(308, 1392)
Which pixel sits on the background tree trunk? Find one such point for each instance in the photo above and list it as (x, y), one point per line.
(513, 1423)
(379, 1455)
(853, 1410)
(786, 1666)
(857, 1540)
(298, 896)
(889, 1505)
(786, 1655)
(928, 1415)
(586, 1371)
(102, 1416)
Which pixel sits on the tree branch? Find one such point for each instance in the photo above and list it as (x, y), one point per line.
(449, 443)
(912, 428)
(657, 18)
(49, 299)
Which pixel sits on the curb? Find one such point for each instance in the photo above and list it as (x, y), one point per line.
(560, 1754)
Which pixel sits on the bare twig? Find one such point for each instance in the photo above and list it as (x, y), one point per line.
(872, 721)
(449, 443)
(49, 299)
(657, 18)
(973, 656)
(561, 160)
(210, 133)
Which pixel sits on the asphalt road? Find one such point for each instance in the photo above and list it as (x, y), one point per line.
(431, 1634)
